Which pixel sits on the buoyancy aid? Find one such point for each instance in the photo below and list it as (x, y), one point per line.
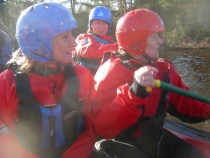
(160, 114)
(158, 118)
(99, 39)
(49, 131)
(93, 63)
(147, 131)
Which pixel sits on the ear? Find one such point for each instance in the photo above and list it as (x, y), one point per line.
(90, 25)
(136, 46)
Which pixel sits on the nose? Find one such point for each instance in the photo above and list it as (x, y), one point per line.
(101, 25)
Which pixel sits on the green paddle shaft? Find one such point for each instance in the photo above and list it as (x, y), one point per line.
(169, 87)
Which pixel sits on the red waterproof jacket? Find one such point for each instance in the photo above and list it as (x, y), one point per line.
(113, 73)
(90, 50)
(89, 47)
(42, 88)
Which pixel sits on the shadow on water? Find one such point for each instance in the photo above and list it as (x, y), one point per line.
(194, 69)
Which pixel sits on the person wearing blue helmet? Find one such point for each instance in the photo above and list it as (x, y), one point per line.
(47, 100)
(5, 49)
(92, 45)
(40, 115)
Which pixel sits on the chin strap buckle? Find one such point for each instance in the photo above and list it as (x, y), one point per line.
(3, 130)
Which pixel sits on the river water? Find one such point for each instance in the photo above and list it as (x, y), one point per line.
(194, 69)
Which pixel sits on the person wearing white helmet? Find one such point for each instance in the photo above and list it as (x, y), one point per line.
(46, 99)
(92, 45)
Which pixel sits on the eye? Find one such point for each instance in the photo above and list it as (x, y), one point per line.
(65, 36)
(161, 35)
(97, 22)
(155, 36)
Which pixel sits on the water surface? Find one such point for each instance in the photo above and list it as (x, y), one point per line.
(194, 69)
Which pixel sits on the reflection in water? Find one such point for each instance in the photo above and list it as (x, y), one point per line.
(194, 69)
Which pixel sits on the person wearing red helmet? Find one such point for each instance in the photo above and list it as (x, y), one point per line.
(137, 34)
(46, 99)
(92, 45)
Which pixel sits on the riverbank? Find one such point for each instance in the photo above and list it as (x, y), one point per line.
(192, 45)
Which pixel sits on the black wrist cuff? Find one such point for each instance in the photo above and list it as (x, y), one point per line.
(138, 90)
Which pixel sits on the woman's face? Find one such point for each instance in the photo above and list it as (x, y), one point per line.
(153, 44)
(63, 45)
(99, 27)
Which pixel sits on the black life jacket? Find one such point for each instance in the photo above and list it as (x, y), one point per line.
(49, 131)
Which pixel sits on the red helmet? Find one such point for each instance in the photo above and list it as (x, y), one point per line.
(134, 28)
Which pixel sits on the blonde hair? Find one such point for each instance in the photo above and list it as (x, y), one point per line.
(24, 63)
(90, 31)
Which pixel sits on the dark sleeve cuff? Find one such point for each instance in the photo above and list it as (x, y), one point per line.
(138, 90)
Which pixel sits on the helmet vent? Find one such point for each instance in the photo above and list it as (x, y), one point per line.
(46, 5)
(136, 46)
(133, 12)
(32, 9)
(40, 51)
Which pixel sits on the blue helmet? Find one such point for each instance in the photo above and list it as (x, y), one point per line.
(100, 13)
(5, 48)
(37, 26)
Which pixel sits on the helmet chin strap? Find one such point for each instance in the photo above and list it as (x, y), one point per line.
(148, 58)
(46, 71)
(57, 63)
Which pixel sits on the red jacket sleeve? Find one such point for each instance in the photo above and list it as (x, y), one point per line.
(9, 144)
(89, 47)
(10, 147)
(115, 107)
(115, 116)
(185, 108)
